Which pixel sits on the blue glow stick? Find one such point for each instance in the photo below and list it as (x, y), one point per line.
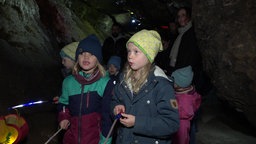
(27, 104)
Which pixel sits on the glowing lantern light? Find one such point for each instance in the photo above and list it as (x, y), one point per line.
(13, 129)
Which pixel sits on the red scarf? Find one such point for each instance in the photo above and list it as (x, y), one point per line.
(88, 80)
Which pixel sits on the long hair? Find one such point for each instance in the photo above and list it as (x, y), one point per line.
(134, 83)
(78, 68)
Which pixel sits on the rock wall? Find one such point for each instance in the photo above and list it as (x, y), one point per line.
(32, 32)
(226, 33)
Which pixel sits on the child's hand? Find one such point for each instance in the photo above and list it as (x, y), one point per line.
(64, 124)
(55, 100)
(127, 120)
(119, 109)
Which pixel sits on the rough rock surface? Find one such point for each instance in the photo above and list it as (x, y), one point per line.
(32, 32)
(226, 34)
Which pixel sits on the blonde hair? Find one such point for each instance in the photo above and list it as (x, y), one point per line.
(77, 68)
(136, 83)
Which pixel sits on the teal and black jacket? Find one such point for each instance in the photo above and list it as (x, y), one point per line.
(87, 108)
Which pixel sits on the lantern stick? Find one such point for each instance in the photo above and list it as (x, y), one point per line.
(53, 136)
(117, 117)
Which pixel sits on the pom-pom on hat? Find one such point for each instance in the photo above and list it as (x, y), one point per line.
(69, 51)
(183, 77)
(116, 61)
(148, 41)
(90, 44)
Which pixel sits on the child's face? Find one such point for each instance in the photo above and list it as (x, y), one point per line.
(112, 69)
(68, 63)
(87, 62)
(135, 57)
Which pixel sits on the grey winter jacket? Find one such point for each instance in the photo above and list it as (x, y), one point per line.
(154, 107)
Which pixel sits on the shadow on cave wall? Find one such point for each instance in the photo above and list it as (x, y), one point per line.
(21, 83)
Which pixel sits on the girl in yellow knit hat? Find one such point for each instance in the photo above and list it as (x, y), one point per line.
(68, 60)
(68, 56)
(145, 96)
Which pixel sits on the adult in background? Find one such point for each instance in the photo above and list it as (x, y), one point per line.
(185, 51)
(115, 44)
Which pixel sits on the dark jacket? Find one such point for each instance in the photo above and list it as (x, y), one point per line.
(156, 118)
(87, 111)
(189, 54)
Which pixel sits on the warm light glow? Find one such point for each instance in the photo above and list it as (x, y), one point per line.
(12, 138)
(13, 129)
(8, 134)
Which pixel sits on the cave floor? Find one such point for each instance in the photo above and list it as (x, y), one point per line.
(220, 124)
(217, 124)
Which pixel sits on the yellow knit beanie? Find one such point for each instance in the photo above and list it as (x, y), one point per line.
(69, 51)
(148, 41)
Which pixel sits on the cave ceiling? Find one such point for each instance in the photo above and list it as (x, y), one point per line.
(153, 12)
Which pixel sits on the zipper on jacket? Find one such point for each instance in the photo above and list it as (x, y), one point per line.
(80, 115)
(87, 99)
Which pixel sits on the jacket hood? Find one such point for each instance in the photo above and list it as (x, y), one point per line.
(158, 72)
